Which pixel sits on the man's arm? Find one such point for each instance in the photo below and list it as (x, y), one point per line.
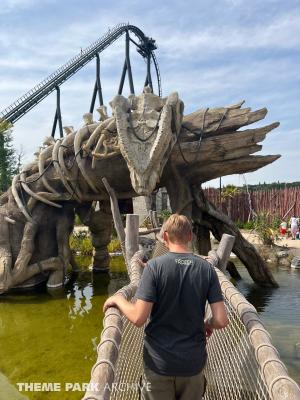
(219, 319)
(137, 312)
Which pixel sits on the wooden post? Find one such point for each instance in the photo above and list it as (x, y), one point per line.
(154, 219)
(116, 214)
(131, 236)
(224, 250)
(290, 208)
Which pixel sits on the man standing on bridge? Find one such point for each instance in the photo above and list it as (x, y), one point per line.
(173, 291)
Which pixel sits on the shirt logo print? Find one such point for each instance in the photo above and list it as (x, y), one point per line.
(183, 262)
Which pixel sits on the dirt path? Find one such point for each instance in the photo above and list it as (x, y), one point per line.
(282, 241)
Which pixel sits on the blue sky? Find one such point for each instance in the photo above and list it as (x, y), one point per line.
(213, 53)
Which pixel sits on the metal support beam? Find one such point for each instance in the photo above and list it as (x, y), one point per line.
(97, 86)
(98, 80)
(54, 124)
(93, 98)
(57, 117)
(128, 63)
(148, 81)
(122, 78)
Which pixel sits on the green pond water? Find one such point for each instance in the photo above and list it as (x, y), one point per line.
(279, 310)
(53, 337)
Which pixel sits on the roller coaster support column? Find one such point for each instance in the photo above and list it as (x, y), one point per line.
(97, 87)
(122, 78)
(148, 78)
(126, 68)
(129, 65)
(57, 116)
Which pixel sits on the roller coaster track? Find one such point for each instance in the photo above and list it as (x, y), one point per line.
(145, 47)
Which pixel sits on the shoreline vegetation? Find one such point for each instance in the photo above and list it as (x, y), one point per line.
(81, 243)
(275, 249)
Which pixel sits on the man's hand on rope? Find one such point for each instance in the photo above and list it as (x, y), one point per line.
(111, 302)
(212, 258)
(137, 312)
(141, 262)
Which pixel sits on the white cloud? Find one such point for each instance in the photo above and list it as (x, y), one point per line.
(282, 33)
(8, 6)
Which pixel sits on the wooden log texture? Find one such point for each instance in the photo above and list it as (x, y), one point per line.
(209, 146)
(222, 150)
(131, 236)
(222, 154)
(116, 214)
(220, 120)
(224, 250)
(219, 223)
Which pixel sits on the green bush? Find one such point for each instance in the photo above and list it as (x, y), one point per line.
(266, 227)
(146, 223)
(77, 221)
(245, 225)
(164, 215)
(114, 246)
(81, 242)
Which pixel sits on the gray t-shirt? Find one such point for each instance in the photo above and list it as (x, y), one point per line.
(179, 284)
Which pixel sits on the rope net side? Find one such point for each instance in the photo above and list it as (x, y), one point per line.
(242, 363)
(129, 368)
(232, 371)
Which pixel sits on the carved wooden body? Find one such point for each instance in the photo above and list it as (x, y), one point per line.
(37, 213)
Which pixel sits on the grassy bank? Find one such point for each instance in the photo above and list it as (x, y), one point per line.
(81, 244)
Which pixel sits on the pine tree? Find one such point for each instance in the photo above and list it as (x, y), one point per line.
(7, 156)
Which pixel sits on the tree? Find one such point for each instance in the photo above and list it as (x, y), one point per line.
(7, 156)
(19, 155)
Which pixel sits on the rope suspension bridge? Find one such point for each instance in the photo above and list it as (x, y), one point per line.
(242, 362)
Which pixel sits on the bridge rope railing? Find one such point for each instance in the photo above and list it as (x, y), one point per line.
(115, 326)
(242, 362)
(28, 100)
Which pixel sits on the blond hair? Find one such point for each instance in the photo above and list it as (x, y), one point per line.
(179, 228)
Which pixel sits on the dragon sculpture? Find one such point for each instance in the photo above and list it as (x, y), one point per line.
(147, 143)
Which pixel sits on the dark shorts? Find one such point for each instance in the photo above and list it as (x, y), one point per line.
(162, 387)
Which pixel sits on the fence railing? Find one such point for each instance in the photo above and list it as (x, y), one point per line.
(283, 203)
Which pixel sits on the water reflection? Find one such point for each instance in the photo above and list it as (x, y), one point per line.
(256, 295)
(279, 310)
(54, 333)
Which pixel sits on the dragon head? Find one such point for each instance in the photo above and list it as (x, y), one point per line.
(147, 127)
